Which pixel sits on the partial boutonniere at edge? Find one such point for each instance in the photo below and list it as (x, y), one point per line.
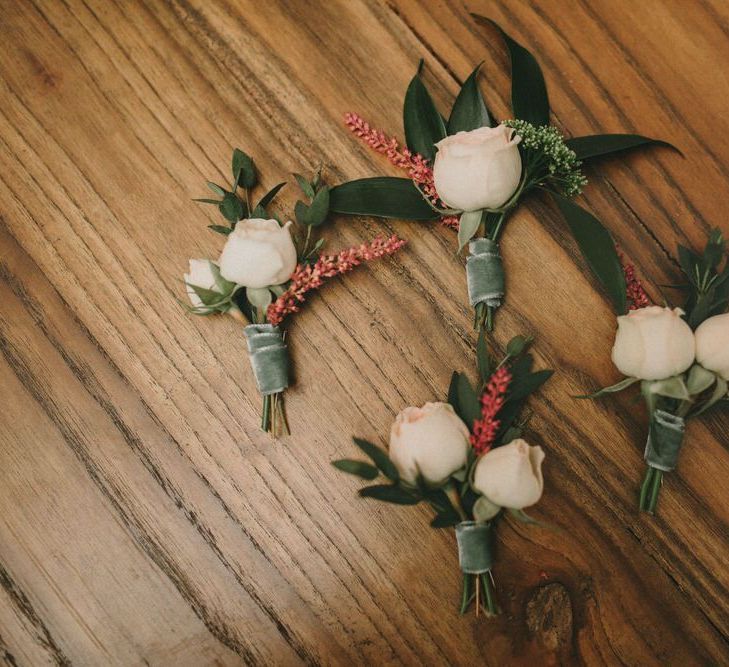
(680, 356)
(480, 172)
(467, 460)
(264, 272)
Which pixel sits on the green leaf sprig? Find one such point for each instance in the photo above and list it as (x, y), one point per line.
(550, 162)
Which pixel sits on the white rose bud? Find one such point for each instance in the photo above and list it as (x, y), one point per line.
(478, 169)
(511, 475)
(201, 275)
(431, 441)
(653, 343)
(712, 345)
(258, 253)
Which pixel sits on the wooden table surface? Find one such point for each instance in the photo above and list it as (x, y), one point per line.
(144, 518)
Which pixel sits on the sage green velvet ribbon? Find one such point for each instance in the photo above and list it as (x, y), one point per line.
(485, 273)
(665, 438)
(474, 547)
(269, 357)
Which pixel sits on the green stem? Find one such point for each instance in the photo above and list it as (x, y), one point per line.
(489, 593)
(265, 417)
(490, 311)
(282, 416)
(655, 490)
(645, 488)
(274, 413)
(497, 228)
(466, 593)
(306, 242)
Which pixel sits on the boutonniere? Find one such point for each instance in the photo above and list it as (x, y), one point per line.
(467, 459)
(265, 270)
(472, 172)
(680, 356)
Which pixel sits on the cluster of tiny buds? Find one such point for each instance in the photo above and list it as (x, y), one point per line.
(558, 161)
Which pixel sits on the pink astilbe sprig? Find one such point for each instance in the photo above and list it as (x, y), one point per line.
(637, 296)
(307, 277)
(492, 400)
(416, 166)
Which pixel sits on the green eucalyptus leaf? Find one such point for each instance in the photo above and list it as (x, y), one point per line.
(358, 468)
(379, 458)
(699, 379)
(300, 211)
(612, 389)
(511, 434)
(210, 298)
(689, 263)
(317, 212)
(220, 229)
(517, 345)
(268, 197)
(714, 251)
(424, 126)
(469, 110)
(216, 188)
(468, 402)
(600, 145)
(598, 249)
(259, 212)
(524, 386)
(207, 201)
(384, 197)
(231, 207)
(453, 392)
(390, 493)
(305, 186)
(529, 100)
(244, 171)
(468, 226)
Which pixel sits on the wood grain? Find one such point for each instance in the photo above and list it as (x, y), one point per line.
(144, 519)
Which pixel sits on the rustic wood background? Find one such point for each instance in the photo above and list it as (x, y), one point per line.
(144, 518)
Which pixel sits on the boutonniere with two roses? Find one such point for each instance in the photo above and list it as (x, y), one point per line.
(467, 460)
(472, 172)
(266, 269)
(678, 356)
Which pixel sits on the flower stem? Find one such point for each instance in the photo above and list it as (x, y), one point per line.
(656, 487)
(645, 488)
(466, 594)
(484, 585)
(490, 311)
(487, 582)
(650, 489)
(265, 417)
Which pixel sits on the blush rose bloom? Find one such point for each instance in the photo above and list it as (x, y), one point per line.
(201, 275)
(653, 343)
(511, 476)
(431, 441)
(258, 253)
(712, 345)
(478, 169)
